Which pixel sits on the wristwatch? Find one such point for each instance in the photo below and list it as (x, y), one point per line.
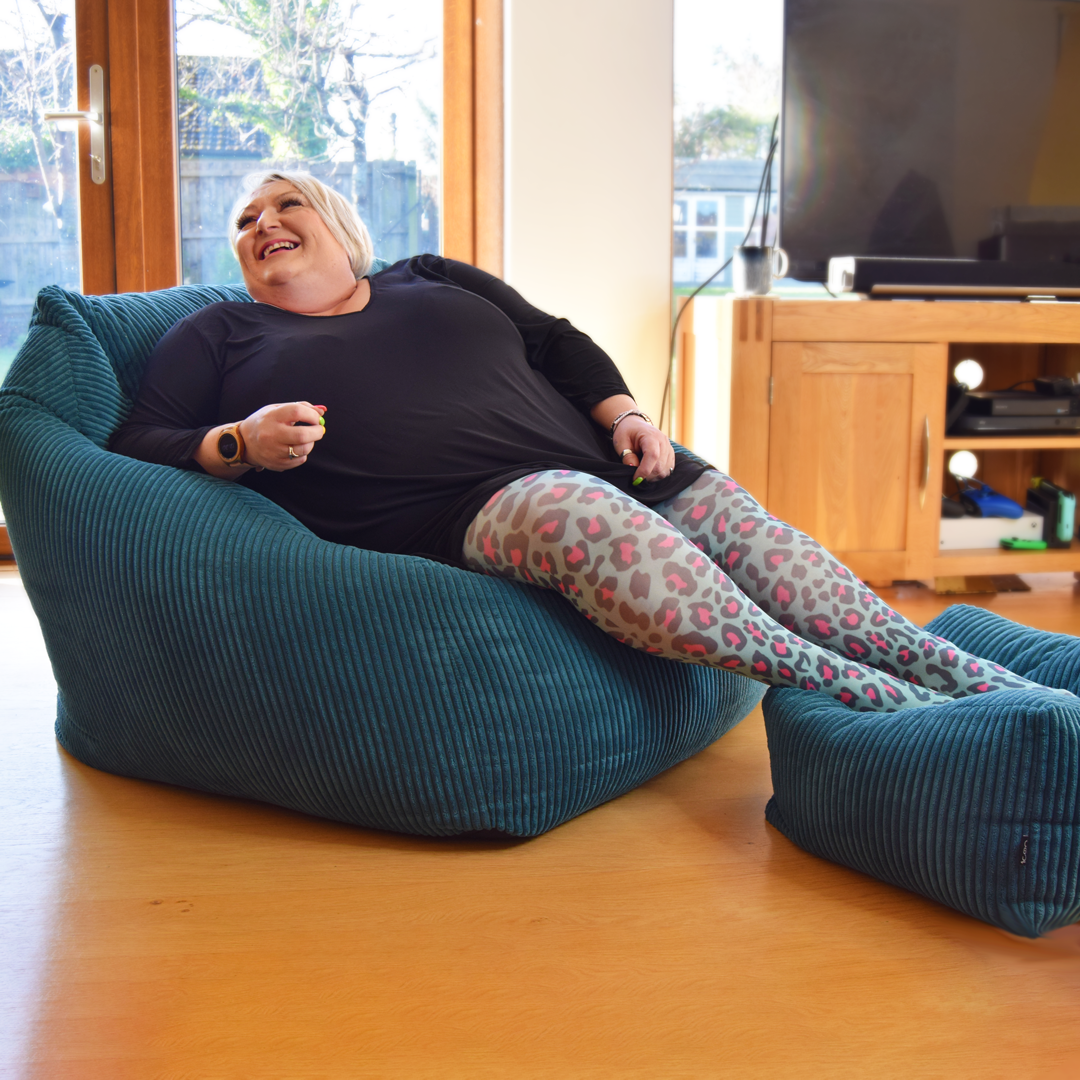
(230, 447)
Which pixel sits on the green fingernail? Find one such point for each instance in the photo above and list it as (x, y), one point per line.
(639, 480)
(322, 422)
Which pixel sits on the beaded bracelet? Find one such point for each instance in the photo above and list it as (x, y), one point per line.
(622, 416)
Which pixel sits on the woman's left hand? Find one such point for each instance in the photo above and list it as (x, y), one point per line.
(651, 449)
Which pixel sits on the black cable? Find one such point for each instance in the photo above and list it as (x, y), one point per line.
(675, 327)
(765, 209)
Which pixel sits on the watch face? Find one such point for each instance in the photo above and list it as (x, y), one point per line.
(227, 445)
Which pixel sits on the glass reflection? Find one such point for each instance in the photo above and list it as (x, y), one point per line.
(350, 90)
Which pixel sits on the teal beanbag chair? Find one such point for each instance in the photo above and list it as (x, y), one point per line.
(975, 804)
(201, 636)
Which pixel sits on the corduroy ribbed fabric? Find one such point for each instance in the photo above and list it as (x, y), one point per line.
(974, 804)
(203, 637)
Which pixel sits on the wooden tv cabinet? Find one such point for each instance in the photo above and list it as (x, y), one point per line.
(838, 420)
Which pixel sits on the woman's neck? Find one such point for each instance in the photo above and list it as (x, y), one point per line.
(317, 304)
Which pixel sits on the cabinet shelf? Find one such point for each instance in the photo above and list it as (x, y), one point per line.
(1012, 442)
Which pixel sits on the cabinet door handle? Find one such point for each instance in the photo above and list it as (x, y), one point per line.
(926, 462)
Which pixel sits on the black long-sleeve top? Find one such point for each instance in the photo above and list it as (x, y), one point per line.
(446, 386)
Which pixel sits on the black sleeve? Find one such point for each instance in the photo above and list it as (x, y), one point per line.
(177, 403)
(571, 361)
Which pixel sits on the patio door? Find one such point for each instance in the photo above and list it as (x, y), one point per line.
(400, 106)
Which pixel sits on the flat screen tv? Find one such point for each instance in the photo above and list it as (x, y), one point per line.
(930, 128)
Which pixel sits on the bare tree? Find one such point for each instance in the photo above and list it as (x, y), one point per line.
(36, 77)
(319, 66)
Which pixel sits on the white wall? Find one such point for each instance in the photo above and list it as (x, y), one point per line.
(589, 172)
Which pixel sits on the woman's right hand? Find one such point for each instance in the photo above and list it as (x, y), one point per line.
(270, 433)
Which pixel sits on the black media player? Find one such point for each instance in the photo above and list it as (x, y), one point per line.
(1019, 403)
(1016, 425)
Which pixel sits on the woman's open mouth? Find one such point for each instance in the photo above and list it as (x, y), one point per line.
(278, 245)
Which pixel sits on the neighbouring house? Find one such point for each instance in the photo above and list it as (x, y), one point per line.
(714, 201)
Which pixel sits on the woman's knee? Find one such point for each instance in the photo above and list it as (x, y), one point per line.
(565, 523)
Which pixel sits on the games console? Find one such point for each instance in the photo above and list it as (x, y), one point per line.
(1058, 508)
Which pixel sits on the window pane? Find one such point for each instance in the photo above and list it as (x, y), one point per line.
(679, 216)
(678, 244)
(705, 245)
(355, 98)
(706, 212)
(727, 92)
(39, 196)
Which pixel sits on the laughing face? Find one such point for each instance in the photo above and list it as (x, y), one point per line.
(284, 245)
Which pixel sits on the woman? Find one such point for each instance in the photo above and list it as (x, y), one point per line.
(468, 426)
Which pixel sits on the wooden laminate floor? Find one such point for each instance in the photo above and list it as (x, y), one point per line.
(151, 932)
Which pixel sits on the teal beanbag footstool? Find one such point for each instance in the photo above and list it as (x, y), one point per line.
(974, 804)
(201, 636)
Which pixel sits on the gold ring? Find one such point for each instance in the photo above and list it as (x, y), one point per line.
(291, 454)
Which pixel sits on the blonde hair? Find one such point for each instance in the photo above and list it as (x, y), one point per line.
(337, 213)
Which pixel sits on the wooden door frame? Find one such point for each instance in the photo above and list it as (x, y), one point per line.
(131, 224)
(473, 132)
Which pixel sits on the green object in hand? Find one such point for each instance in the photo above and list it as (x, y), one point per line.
(639, 480)
(1014, 543)
(322, 422)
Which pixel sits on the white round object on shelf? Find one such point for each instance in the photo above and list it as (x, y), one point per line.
(963, 463)
(969, 373)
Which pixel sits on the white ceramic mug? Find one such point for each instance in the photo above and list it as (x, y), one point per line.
(753, 269)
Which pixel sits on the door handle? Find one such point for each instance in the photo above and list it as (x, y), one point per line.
(95, 117)
(926, 462)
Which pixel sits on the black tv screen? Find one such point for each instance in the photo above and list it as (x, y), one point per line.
(930, 128)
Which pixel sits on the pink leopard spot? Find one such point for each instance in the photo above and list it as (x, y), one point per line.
(674, 579)
(575, 555)
(782, 595)
(626, 552)
(515, 556)
(699, 512)
(548, 527)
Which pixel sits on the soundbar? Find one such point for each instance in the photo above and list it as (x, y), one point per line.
(887, 278)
